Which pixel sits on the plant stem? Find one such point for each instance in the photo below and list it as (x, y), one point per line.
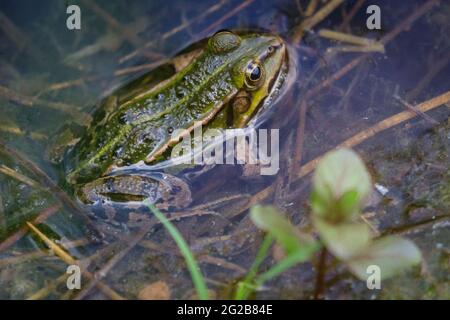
(320, 278)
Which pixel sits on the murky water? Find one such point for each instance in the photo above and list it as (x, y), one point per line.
(51, 76)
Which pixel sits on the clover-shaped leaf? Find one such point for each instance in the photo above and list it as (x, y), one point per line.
(341, 184)
(391, 254)
(343, 240)
(287, 235)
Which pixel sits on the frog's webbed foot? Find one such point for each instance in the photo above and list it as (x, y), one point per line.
(163, 190)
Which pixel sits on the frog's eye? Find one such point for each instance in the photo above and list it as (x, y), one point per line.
(224, 41)
(254, 75)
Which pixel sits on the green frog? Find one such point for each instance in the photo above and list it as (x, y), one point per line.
(221, 83)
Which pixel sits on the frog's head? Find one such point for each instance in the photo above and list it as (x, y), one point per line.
(257, 61)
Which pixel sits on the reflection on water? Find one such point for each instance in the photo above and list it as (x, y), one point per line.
(52, 76)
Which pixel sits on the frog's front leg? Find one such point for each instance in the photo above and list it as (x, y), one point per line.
(162, 189)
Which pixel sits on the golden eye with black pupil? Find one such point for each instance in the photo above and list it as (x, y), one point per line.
(254, 75)
(270, 49)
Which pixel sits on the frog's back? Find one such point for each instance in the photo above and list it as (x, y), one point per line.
(127, 127)
(137, 122)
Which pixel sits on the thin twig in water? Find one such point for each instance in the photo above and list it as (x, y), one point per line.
(311, 8)
(125, 32)
(67, 258)
(20, 258)
(436, 221)
(18, 37)
(175, 30)
(385, 124)
(351, 14)
(46, 182)
(416, 111)
(16, 236)
(348, 38)
(226, 17)
(99, 275)
(205, 259)
(131, 243)
(300, 137)
(12, 129)
(309, 167)
(370, 48)
(18, 176)
(436, 67)
(45, 291)
(404, 25)
(314, 20)
(32, 102)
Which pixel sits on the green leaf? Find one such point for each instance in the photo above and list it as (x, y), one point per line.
(245, 287)
(341, 181)
(343, 240)
(319, 204)
(269, 219)
(348, 204)
(391, 254)
(299, 247)
(285, 264)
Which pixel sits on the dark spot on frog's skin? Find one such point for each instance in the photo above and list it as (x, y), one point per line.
(147, 140)
(123, 119)
(109, 184)
(170, 130)
(98, 115)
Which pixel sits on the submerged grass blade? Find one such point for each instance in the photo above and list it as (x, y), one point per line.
(246, 286)
(287, 263)
(191, 263)
(67, 258)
